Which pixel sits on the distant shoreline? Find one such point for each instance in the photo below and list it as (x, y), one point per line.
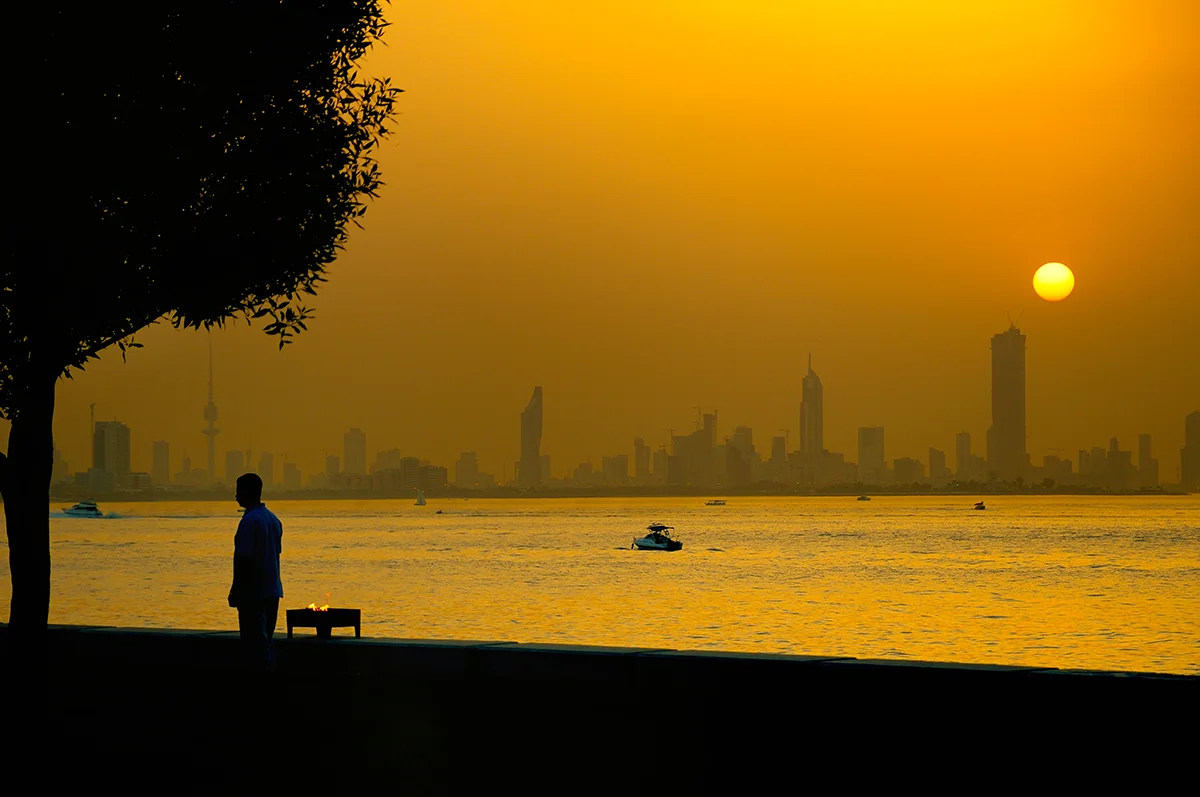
(226, 494)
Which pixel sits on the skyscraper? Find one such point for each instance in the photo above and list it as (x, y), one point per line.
(812, 416)
(530, 464)
(160, 470)
(266, 469)
(615, 469)
(641, 461)
(210, 418)
(1189, 456)
(1007, 455)
(1119, 466)
(659, 460)
(389, 459)
(743, 441)
(466, 471)
(937, 465)
(235, 465)
(58, 471)
(962, 456)
(332, 465)
(291, 476)
(872, 467)
(410, 473)
(1147, 464)
(354, 443)
(908, 471)
(110, 447)
(185, 474)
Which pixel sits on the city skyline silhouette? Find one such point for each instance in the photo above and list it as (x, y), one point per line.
(703, 457)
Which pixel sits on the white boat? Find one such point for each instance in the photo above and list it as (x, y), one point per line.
(84, 509)
(658, 538)
(420, 499)
(715, 502)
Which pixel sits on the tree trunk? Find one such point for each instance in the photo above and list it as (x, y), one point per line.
(25, 483)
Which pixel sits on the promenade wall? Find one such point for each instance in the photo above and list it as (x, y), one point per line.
(448, 716)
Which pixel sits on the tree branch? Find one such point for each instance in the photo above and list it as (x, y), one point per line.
(94, 350)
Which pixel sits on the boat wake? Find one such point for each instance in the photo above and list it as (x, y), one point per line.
(106, 516)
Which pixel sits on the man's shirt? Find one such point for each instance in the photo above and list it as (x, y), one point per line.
(258, 541)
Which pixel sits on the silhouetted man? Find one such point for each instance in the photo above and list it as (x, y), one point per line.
(257, 586)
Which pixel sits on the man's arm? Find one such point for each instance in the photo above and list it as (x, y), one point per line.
(243, 574)
(243, 560)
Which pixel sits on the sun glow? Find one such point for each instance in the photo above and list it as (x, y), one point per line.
(1054, 282)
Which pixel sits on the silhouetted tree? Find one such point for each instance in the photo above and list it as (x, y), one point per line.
(187, 161)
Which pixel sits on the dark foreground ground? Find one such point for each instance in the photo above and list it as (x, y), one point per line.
(170, 712)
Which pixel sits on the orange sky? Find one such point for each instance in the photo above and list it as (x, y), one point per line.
(647, 206)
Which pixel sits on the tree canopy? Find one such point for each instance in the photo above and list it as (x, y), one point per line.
(188, 160)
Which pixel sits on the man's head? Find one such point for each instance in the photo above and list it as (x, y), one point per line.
(249, 490)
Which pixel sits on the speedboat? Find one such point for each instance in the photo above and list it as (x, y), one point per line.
(863, 498)
(84, 509)
(715, 502)
(658, 538)
(979, 505)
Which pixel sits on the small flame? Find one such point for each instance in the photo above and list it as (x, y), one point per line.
(314, 607)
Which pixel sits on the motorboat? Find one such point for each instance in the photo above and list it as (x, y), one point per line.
(420, 499)
(84, 509)
(658, 538)
(979, 505)
(863, 498)
(715, 502)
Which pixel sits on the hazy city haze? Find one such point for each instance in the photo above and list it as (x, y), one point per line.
(643, 207)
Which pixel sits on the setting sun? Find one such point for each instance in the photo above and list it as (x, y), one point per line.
(1054, 282)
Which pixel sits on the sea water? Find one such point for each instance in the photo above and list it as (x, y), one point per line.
(1065, 581)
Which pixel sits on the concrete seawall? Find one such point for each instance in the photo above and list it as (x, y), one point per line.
(444, 716)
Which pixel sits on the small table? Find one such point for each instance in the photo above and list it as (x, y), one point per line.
(324, 620)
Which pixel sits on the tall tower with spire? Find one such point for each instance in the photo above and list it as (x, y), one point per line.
(210, 418)
(812, 415)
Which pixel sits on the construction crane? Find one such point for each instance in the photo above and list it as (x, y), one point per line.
(671, 437)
